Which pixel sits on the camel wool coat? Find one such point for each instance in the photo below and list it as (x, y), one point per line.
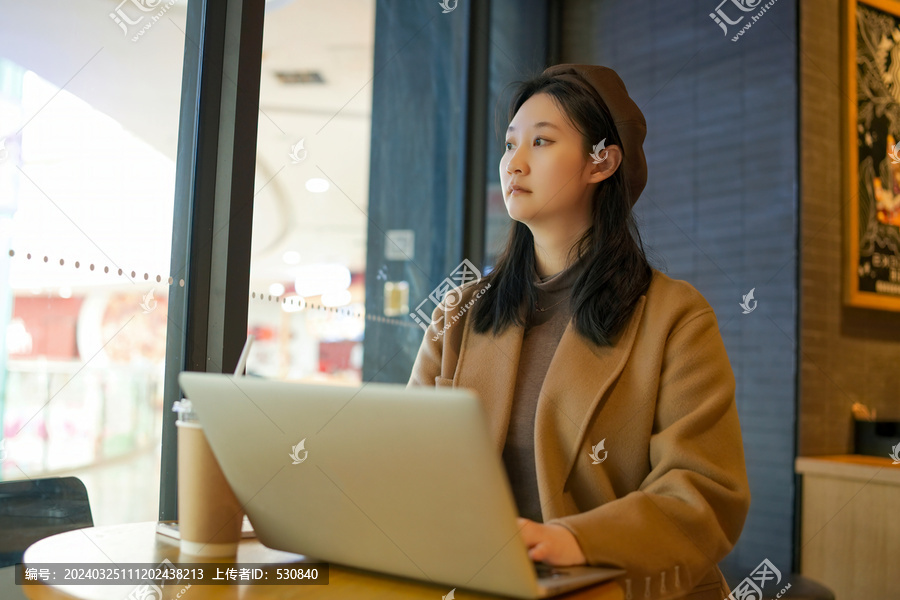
(668, 498)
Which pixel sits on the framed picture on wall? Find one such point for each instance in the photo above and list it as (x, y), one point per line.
(871, 232)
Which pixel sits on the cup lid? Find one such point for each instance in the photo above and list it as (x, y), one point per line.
(185, 410)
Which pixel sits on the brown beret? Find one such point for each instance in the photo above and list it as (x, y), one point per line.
(628, 118)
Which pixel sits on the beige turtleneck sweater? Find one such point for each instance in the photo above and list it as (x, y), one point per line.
(542, 335)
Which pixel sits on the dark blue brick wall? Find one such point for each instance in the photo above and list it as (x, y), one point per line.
(721, 205)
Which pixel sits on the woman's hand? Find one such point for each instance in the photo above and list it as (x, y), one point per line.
(552, 544)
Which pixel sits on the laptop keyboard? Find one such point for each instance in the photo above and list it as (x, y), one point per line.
(543, 571)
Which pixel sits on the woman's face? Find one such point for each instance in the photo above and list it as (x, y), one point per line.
(545, 154)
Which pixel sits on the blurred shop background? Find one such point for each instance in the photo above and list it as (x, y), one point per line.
(89, 108)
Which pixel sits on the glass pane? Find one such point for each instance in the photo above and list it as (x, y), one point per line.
(89, 105)
(307, 294)
(518, 51)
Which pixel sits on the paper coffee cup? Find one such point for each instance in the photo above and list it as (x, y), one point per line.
(209, 514)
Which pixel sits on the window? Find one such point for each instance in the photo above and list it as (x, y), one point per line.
(89, 105)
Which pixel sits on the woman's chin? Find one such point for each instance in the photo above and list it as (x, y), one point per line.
(519, 210)
(518, 215)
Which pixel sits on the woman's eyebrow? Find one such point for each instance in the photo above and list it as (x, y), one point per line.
(535, 126)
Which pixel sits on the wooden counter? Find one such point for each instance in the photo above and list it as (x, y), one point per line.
(850, 531)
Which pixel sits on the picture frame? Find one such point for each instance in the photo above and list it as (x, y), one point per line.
(871, 193)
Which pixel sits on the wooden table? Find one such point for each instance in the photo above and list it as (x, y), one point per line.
(850, 534)
(139, 543)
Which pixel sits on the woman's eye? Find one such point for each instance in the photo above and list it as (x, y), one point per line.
(508, 144)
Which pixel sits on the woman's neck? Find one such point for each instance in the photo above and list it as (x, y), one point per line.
(551, 252)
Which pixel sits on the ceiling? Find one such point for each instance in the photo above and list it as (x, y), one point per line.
(76, 45)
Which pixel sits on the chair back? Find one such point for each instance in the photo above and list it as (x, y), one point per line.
(37, 508)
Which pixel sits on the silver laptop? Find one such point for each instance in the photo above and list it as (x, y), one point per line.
(377, 477)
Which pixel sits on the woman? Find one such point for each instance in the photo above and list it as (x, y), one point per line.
(605, 383)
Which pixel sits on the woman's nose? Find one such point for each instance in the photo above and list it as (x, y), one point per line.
(515, 164)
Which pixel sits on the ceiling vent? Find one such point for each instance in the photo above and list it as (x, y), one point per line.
(296, 77)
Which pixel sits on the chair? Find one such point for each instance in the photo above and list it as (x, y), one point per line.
(34, 509)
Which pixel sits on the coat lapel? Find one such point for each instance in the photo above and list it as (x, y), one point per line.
(577, 378)
(579, 375)
(489, 365)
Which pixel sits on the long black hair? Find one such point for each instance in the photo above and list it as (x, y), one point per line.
(616, 271)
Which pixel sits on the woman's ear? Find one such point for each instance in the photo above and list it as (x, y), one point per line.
(604, 163)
